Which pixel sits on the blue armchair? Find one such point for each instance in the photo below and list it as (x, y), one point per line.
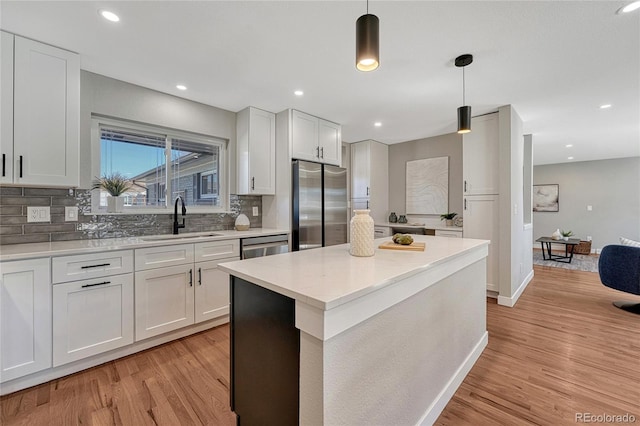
(619, 268)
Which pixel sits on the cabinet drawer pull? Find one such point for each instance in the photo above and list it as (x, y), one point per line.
(95, 266)
(93, 285)
(465, 203)
(199, 276)
(253, 183)
(367, 204)
(190, 277)
(4, 164)
(21, 166)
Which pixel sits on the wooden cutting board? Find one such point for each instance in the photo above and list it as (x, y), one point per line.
(390, 245)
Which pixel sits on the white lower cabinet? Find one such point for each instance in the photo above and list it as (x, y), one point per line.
(91, 317)
(481, 220)
(448, 233)
(164, 300)
(25, 318)
(171, 297)
(211, 290)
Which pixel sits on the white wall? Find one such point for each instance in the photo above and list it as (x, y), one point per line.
(114, 98)
(611, 187)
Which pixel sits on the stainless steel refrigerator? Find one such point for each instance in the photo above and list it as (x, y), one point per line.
(319, 205)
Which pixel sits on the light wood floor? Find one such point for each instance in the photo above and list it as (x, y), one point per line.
(564, 349)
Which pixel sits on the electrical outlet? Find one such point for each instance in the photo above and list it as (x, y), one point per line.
(255, 211)
(589, 208)
(38, 214)
(71, 214)
(588, 237)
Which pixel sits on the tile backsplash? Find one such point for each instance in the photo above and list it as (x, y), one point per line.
(14, 228)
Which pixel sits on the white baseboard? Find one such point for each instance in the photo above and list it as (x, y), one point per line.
(511, 301)
(443, 398)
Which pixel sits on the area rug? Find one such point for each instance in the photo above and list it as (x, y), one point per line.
(580, 262)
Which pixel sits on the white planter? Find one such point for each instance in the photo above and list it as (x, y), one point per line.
(362, 234)
(115, 204)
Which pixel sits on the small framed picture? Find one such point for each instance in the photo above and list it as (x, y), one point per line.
(546, 198)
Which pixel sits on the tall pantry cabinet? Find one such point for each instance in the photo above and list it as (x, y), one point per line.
(370, 178)
(480, 158)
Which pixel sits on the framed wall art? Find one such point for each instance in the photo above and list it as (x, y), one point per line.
(546, 198)
(427, 186)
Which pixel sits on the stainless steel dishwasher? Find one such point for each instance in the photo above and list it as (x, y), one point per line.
(264, 246)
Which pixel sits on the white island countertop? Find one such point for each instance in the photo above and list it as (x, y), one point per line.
(329, 277)
(59, 248)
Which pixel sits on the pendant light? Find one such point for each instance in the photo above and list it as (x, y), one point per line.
(367, 42)
(464, 112)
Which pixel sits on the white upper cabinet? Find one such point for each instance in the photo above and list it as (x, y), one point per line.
(256, 135)
(480, 156)
(6, 108)
(46, 114)
(315, 139)
(360, 170)
(330, 142)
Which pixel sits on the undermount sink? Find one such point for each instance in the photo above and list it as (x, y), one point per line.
(189, 236)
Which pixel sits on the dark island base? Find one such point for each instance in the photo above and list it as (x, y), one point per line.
(265, 356)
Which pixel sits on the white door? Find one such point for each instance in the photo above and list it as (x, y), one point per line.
(330, 141)
(91, 317)
(25, 318)
(481, 220)
(262, 152)
(212, 290)
(304, 135)
(163, 300)
(480, 156)
(360, 169)
(46, 114)
(6, 108)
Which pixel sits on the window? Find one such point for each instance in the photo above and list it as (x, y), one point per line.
(161, 165)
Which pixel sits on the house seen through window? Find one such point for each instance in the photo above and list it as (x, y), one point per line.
(161, 166)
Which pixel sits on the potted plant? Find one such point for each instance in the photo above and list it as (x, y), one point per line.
(448, 218)
(566, 234)
(115, 184)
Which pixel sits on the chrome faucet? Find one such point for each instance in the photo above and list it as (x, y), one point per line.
(176, 225)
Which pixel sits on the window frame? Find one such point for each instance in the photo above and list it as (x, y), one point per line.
(97, 122)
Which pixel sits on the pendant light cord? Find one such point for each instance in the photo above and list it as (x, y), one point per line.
(367, 7)
(463, 86)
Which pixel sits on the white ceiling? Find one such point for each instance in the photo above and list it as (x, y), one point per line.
(556, 62)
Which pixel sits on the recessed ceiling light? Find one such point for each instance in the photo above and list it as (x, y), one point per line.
(181, 87)
(630, 7)
(109, 16)
(298, 93)
(377, 124)
(568, 145)
(605, 106)
(569, 158)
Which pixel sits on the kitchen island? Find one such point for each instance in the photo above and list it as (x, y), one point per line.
(323, 337)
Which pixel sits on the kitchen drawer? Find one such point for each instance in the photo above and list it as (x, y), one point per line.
(452, 234)
(381, 231)
(94, 265)
(217, 250)
(159, 257)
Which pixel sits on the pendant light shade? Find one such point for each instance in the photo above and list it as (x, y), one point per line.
(464, 119)
(367, 42)
(464, 112)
